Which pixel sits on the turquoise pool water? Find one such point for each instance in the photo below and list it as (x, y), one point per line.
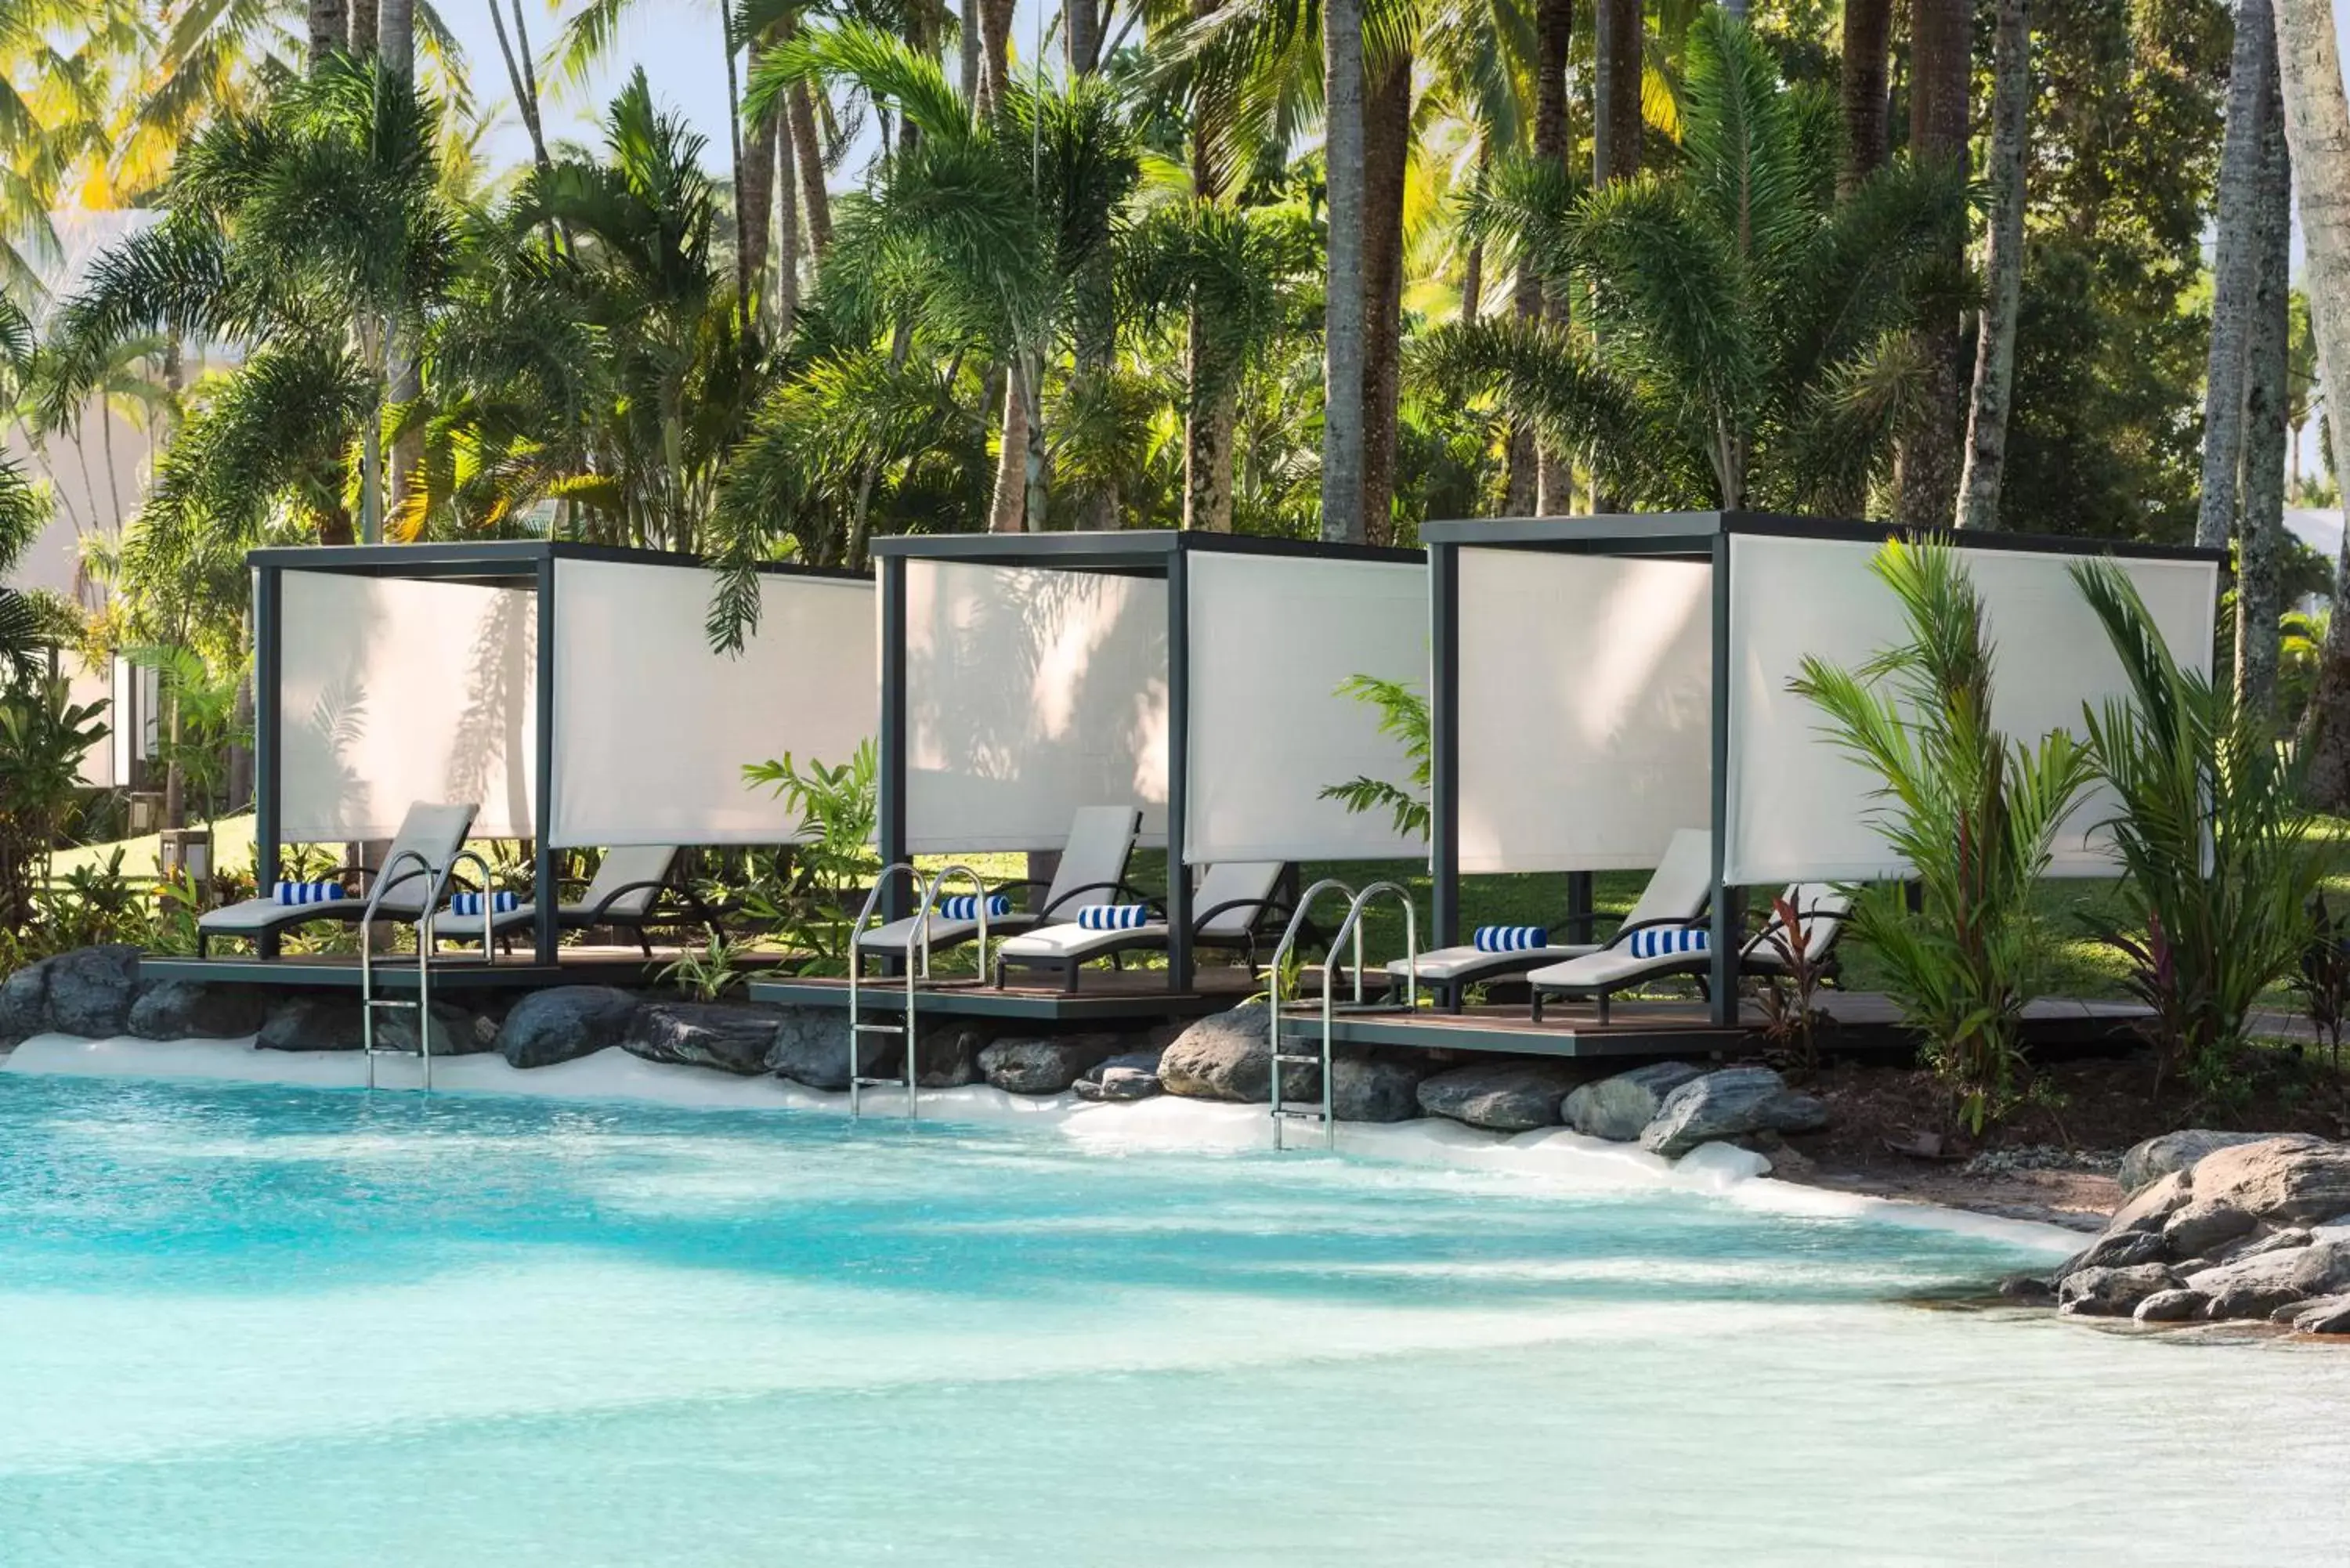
(247, 1326)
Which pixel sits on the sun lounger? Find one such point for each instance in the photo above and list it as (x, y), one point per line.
(623, 894)
(1233, 899)
(433, 834)
(1632, 959)
(1676, 895)
(1092, 871)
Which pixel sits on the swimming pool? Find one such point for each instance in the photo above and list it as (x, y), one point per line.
(256, 1325)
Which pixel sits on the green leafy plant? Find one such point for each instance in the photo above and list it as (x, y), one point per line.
(2210, 829)
(1403, 715)
(43, 735)
(708, 973)
(2323, 982)
(201, 705)
(94, 904)
(807, 896)
(1973, 813)
(1790, 997)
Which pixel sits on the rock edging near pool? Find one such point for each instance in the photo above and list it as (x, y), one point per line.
(2220, 1227)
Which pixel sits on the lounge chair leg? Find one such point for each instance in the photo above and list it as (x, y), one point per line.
(1603, 1006)
(1538, 1003)
(1455, 999)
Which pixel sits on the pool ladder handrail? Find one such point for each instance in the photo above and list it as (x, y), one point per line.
(436, 886)
(926, 893)
(1351, 925)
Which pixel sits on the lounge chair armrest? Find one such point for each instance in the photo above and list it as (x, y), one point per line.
(1268, 906)
(603, 904)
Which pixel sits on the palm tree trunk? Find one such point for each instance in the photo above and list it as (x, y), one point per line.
(1209, 414)
(1862, 88)
(1987, 406)
(1940, 67)
(1032, 394)
(744, 277)
(1081, 32)
(1010, 506)
(754, 187)
(1342, 338)
(330, 29)
(521, 75)
(1387, 157)
(396, 37)
(1616, 122)
(1554, 34)
(967, 41)
(995, 52)
(1472, 282)
(2317, 130)
(365, 27)
(2268, 395)
(808, 153)
(1520, 481)
(787, 232)
(2233, 262)
(395, 43)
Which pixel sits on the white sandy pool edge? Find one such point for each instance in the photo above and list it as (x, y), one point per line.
(1165, 1123)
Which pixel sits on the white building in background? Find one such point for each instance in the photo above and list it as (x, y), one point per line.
(96, 473)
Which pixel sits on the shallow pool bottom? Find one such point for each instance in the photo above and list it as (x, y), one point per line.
(258, 1326)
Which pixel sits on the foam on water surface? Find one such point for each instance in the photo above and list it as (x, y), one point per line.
(253, 1323)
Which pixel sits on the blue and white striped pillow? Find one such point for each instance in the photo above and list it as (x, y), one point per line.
(1511, 938)
(1662, 941)
(1113, 917)
(293, 893)
(965, 906)
(471, 903)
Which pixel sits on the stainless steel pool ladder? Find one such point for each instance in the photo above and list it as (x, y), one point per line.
(918, 968)
(1326, 1113)
(436, 885)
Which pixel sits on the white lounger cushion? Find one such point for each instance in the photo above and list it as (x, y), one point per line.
(1236, 889)
(1101, 838)
(1617, 966)
(254, 915)
(1678, 890)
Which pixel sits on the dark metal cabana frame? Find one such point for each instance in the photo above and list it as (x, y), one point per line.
(1162, 555)
(500, 563)
(1681, 536)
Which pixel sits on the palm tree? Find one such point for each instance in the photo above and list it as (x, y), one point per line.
(2250, 69)
(1753, 334)
(1941, 69)
(985, 222)
(1987, 405)
(1346, 286)
(2317, 128)
(1234, 279)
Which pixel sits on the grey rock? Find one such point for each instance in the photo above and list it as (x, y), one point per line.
(2205, 1226)
(24, 1004)
(565, 1024)
(947, 1054)
(2275, 1240)
(2114, 1250)
(1226, 1057)
(91, 989)
(1504, 1096)
(191, 1010)
(2326, 1315)
(2318, 1270)
(732, 1037)
(2159, 1157)
(2281, 1181)
(2027, 1288)
(457, 1030)
(2111, 1293)
(1619, 1108)
(1045, 1066)
(2151, 1207)
(2171, 1307)
(312, 1021)
(1116, 1084)
(1369, 1088)
(2239, 1304)
(811, 1047)
(1128, 1075)
(1733, 1103)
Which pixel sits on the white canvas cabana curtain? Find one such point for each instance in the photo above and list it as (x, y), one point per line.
(393, 691)
(1271, 638)
(1800, 808)
(653, 728)
(1585, 708)
(1030, 693)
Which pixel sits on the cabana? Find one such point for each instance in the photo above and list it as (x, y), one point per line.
(568, 690)
(1193, 676)
(1602, 681)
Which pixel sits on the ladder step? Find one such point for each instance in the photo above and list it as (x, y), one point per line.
(1293, 1057)
(879, 1028)
(880, 1082)
(399, 1006)
(1285, 1113)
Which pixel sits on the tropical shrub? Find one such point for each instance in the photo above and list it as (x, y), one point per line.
(807, 897)
(43, 735)
(1972, 811)
(2212, 832)
(2322, 980)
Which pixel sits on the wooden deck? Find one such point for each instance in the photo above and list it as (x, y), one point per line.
(625, 965)
(1103, 996)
